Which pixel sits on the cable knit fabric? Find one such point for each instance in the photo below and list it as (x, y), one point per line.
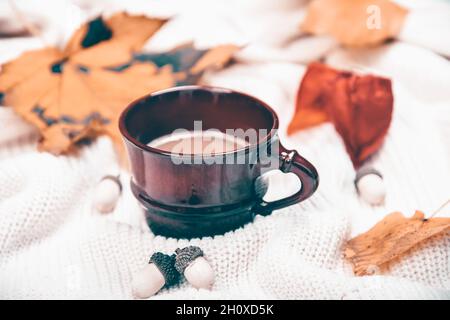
(54, 245)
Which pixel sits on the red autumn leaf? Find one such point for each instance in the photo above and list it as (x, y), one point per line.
(360, 107)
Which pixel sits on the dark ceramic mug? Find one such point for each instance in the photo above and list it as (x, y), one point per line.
(190, 200)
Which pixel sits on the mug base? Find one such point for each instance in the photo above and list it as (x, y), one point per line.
(188, 226)
(189, 222)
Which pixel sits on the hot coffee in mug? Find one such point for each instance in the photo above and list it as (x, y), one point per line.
(196, 182)
(198, 142)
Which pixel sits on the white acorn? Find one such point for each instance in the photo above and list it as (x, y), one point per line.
(147, 282)
(196, 269)
(370, 185)
(158, 273)
(107, 193)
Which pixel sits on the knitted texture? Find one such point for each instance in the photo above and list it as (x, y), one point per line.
(53, 244)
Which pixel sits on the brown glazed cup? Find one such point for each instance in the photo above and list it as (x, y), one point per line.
(191, 199)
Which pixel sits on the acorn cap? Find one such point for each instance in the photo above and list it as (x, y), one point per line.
(165, 264)
(364, 171)
(185, 256)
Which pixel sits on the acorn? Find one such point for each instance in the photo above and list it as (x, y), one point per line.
(159, 273)
(191, 263)
(107, 193)
(370, 185)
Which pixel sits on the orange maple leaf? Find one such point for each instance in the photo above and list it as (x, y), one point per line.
(80, 91)
(71, 94)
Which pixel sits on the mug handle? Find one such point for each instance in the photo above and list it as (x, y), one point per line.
(291, 161)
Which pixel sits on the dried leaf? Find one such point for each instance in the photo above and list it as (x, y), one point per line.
(391, 238)
(355, 22)
(311, 104)
(56, 90)
(53, 141)
(79, 92)
(102, 43)
(360, 107)
(189, 63)
(216, 58)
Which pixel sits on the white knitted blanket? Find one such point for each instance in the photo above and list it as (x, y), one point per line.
(54, 245)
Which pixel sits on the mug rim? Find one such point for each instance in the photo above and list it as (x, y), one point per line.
(126, 134)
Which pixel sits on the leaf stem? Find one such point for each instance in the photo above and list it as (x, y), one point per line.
(440, 208)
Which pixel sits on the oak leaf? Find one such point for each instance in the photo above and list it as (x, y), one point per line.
(391, 238)
(355, 22)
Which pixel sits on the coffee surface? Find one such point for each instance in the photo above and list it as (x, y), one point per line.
(198, 142)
